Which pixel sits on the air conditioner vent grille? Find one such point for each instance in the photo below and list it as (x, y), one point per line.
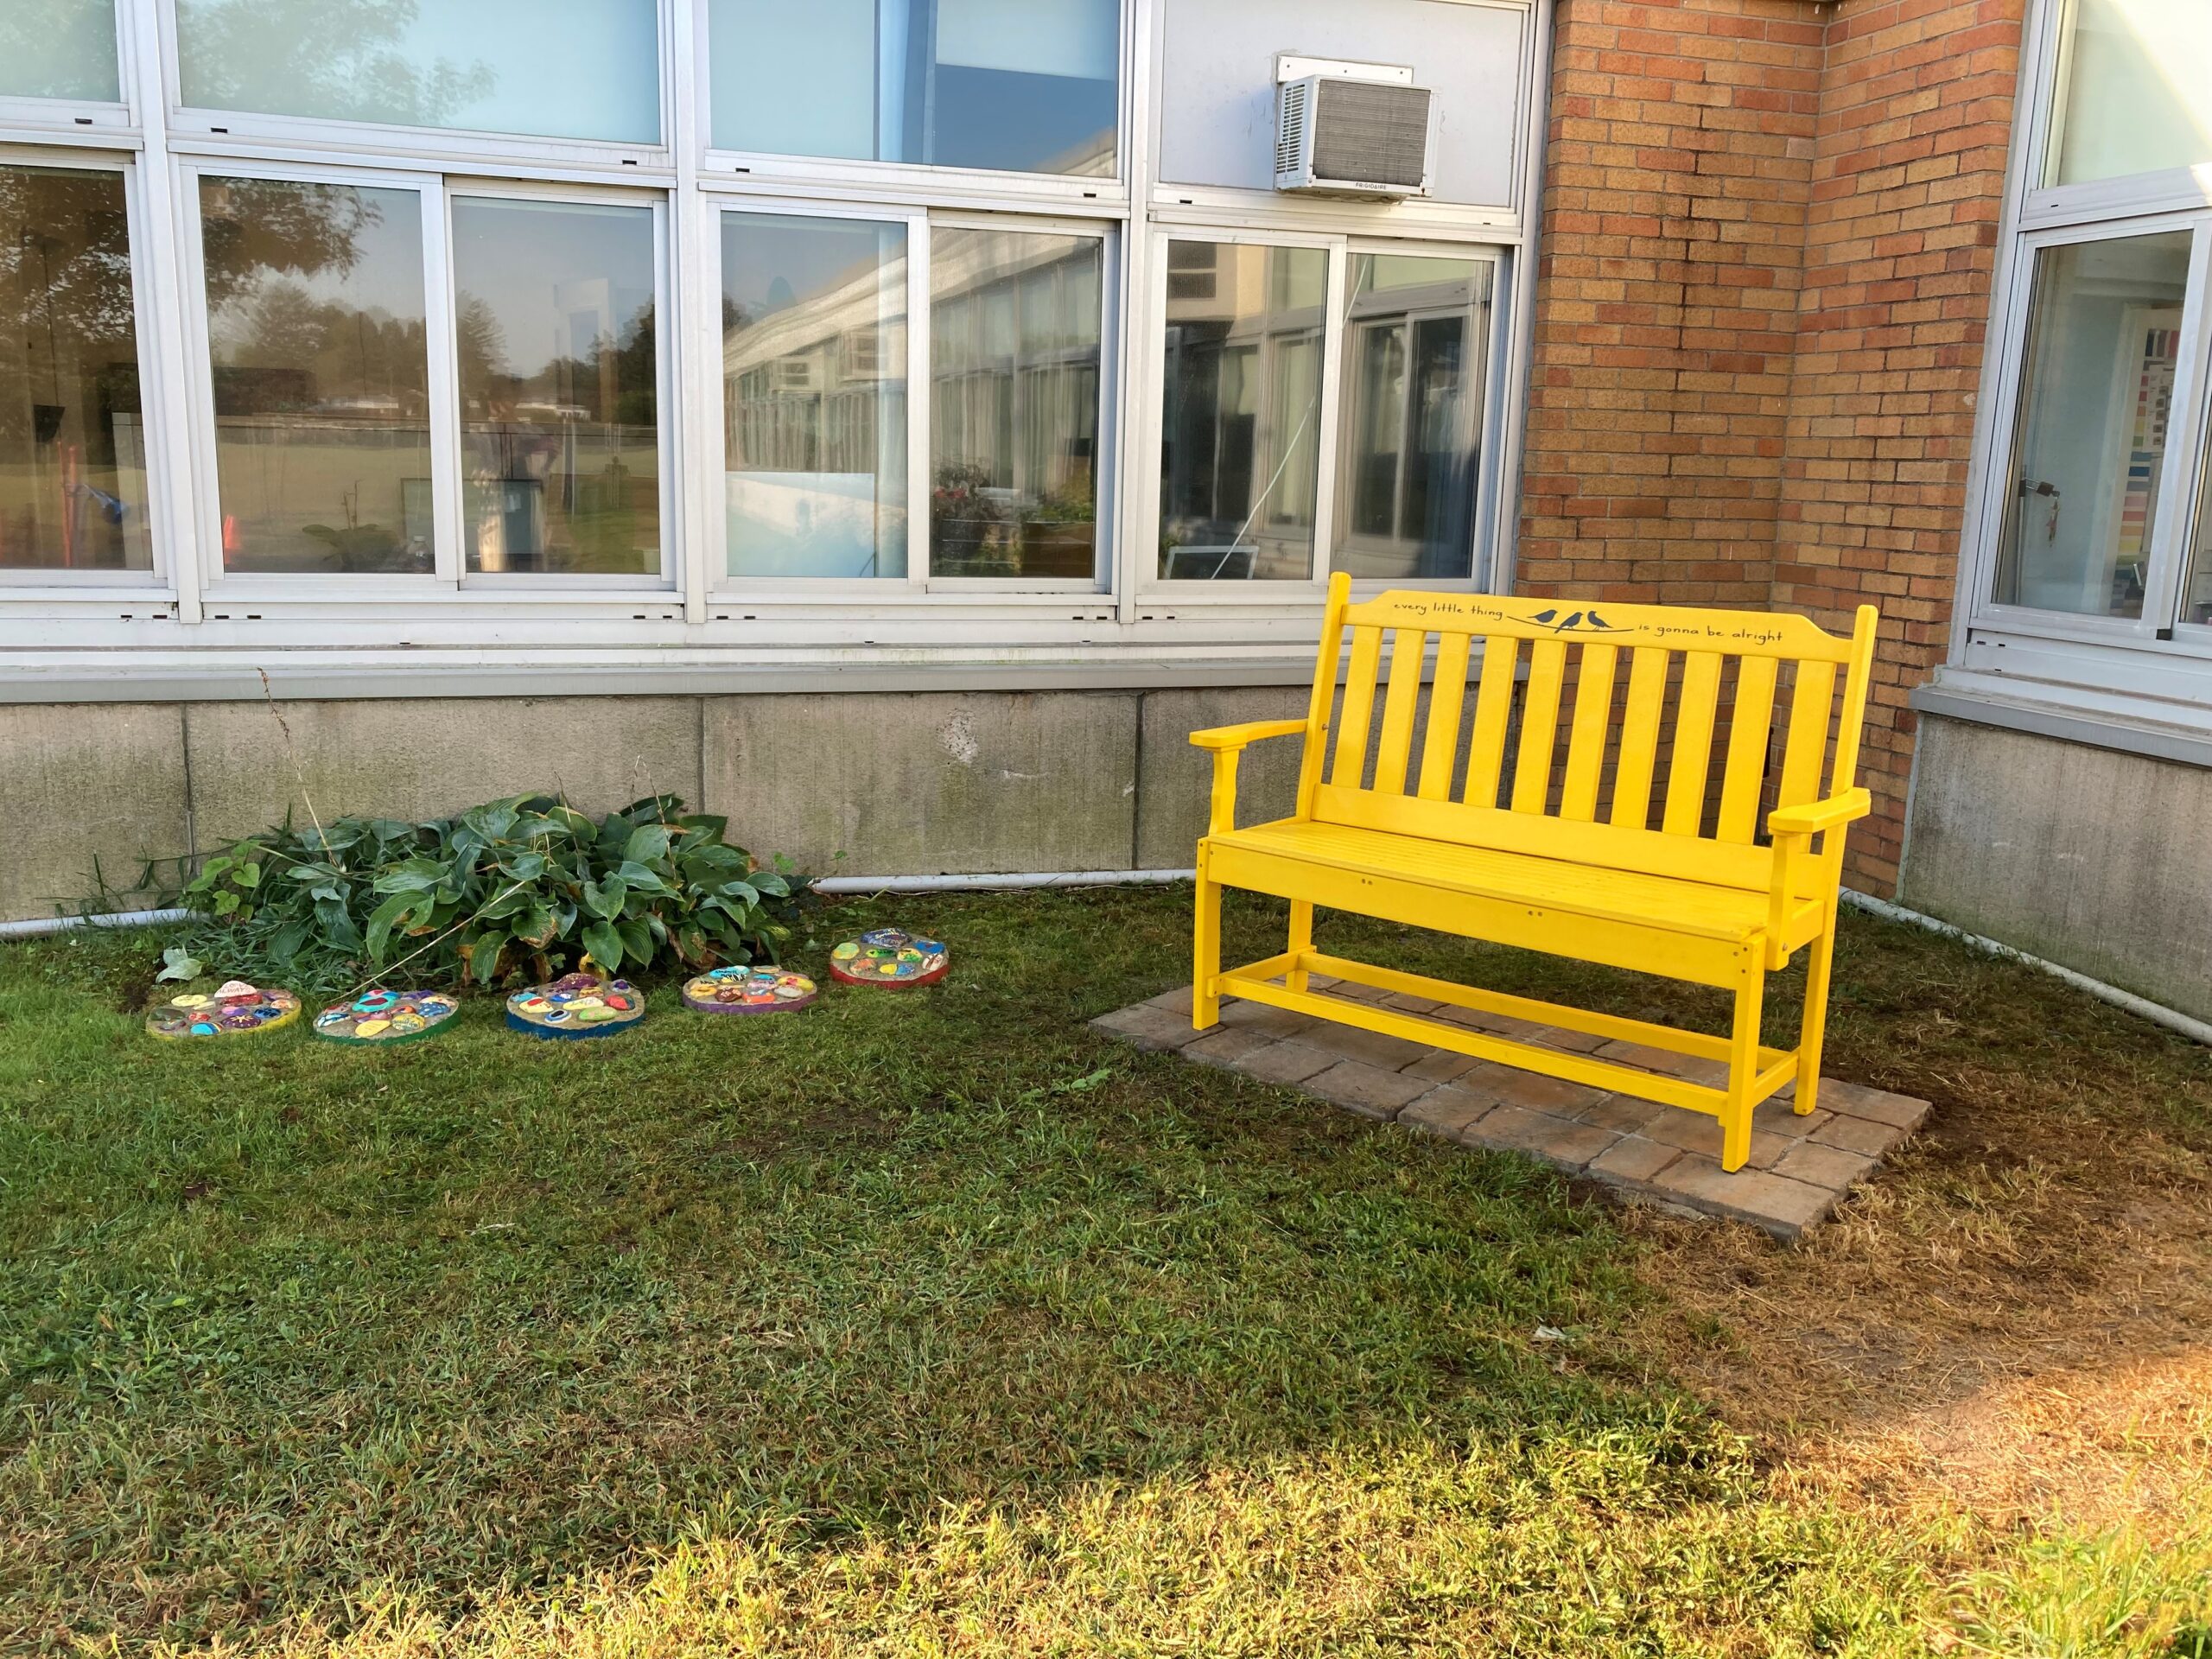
(1290, 139)
(1372, 132)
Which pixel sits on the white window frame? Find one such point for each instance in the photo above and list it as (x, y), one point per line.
(922, 183)
(192, 620)
(161, 454)
(77, 120)
(2155, 668)
(1485, 559)
(252, 131)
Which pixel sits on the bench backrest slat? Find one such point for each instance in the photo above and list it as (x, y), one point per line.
(1575, 746)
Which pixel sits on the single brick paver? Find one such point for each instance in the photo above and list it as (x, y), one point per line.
(1649, 1153)
(1371, 1091)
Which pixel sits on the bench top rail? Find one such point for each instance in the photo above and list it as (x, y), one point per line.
(1630, 736)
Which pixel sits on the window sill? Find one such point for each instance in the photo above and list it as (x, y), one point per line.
(2156, 728)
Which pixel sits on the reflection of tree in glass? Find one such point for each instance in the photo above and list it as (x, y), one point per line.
(343, 59)
(65, 282)
(255, 227)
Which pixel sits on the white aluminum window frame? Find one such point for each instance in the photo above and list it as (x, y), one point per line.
(2157, 667)
(1487, 559)
(259, 133)
(74, 120)
(729, 592)
(877, 180)
(154, 583)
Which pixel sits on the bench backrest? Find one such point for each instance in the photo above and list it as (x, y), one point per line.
(1571, 767)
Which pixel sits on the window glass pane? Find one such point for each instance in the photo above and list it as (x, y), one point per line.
(2104, 334)
(58, 48)
(814, 396)
(1014, 403)
(1018, 86)
(1241, 432)
(2138, 89)
(72, 463)
(1416, 352)
(559, 387)
(316, 333)
(547, 68)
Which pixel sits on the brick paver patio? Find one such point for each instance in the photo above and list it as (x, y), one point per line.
(1799, 1168)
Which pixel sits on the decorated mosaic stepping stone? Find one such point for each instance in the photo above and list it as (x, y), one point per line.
(579, 1004)
(886, 956)
(749, 990)
(237, 1009)
(383, 1018)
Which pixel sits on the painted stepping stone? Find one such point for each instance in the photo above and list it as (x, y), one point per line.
(579, 1004)
(888, 957)
(237, 1009)
(382, 1018)
(749, 990)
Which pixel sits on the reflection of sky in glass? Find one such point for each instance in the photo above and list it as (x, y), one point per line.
(771, 261)
(2140, 93)
(523, 261)
(385, 278)
(553, 69)
(58, 48)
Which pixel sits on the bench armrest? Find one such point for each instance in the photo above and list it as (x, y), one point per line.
(1227, 743)
(1816, 815)
(1236, 737)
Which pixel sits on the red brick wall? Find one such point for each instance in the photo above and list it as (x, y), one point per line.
(1901, 240)
(1768, 239)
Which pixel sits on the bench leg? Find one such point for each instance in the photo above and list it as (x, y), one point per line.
(1743, 1068)
(1814, 1029)
(1301, 938)
(1205, 965)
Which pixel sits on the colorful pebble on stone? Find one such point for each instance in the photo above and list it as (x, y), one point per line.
(886, 956)
(237, 1010)
(749, 990)
(578, 1006)
(383, 1017)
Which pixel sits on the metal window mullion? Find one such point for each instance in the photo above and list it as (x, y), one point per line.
(691, 422)
(918, 551)
(441, 306)
(1329, 456)
(2181, 472)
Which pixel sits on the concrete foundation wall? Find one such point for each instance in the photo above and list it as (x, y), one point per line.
(2089, 857)
(900, 784)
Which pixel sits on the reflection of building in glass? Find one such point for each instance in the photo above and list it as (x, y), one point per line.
(1416, 333)
(1241, 439)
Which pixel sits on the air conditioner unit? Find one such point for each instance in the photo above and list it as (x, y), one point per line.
(1338, 135)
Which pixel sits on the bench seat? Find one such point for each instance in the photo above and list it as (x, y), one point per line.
(1271, 858)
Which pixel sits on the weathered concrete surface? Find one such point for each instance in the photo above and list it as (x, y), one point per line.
(1175, 781)
(105, 779)
(966, 782)
(2091, 858)
(420, 759)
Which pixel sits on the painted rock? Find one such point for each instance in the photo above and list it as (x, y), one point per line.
(748, 991)
(888, 957)
(578, 1006)
(385, 1017)
(237, 1010)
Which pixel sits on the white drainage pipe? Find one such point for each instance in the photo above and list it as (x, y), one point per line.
(864, 884)
(44, 925)
(2157, 1013)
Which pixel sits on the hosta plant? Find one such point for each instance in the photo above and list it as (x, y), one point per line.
(526, 885)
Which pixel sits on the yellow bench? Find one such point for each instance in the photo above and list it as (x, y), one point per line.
(1564, 855)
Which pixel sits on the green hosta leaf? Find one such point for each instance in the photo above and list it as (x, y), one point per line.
(386, 916)
(510, 900)
(338, 929)
(290, 939)
(523, 867)
(646, 842)
(177, 963)
(769, 882)
(537, 927)
(637, 941)
(604, 944)
(606, 898)
(639, 876)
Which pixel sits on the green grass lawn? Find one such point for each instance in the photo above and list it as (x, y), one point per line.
(935, 1324)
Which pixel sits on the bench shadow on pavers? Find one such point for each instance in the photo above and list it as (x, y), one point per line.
(1800, 1168)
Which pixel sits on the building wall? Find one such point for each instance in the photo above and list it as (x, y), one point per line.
(2088, 856)
(1768, 247)
(853, 785)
